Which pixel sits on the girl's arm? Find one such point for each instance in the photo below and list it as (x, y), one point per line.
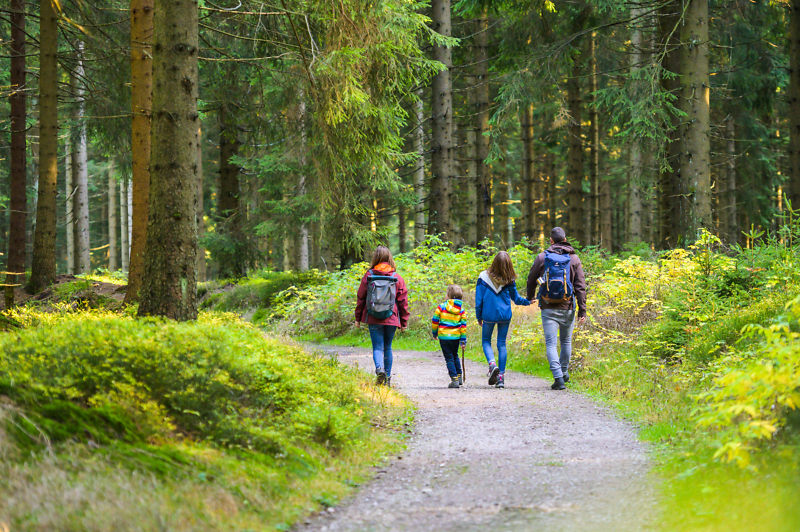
(518, 299)
(479, 291)
(361, 299)
(462, 325)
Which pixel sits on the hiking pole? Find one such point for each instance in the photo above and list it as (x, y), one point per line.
(463, 367)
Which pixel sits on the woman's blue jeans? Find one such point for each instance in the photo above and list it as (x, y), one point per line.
(382, 336)
(486, 340)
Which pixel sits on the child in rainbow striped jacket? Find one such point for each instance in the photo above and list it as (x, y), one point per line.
(449, 325)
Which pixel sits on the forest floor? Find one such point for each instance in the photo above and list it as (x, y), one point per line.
(518, 458)
(88, 292)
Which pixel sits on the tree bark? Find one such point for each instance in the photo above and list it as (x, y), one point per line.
(574, 224)
(484, 190)
(142, 17)
(70, 204)
(695, 151)
(18, 202)
(501, 197)
(606, 208)
(43, 268)
(442, 107)
(530, 195)
(635, 165)
(80, 171)
(169, 286)
(123, 218)
(552, 191)
(729, 205)
(670, 185)
(112, 217)
(594, 139)
(419, 173)
(471, 214)
(794, 103)
(201, 215)
(228, 204)
(301, 188)
(401, 226)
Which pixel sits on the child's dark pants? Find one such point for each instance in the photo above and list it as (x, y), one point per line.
(450, 352)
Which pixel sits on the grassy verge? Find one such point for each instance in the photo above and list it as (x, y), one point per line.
(111, 423)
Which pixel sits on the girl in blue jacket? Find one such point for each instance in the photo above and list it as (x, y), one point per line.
(495, 290)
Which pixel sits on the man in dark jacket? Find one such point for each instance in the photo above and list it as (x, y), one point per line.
(559, 318)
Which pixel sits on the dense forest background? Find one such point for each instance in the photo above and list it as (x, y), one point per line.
(325, 128)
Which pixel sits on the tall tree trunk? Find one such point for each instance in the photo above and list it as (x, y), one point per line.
(18, 202)
(301, 188)
(169, 286)
(401, 227)
(606, 210)
(471, 214)
(419, 173)
(80, 172)
(43, 268)
(552, 193)
(142, 13)
(70, 203)
(670, 184)
(574, 220)
(732, 215)
(484, 191)
(228, 204)
(123, 225)
(501, 197)
(529, 193)
(794, 103)
(112, 217)
(695, 141)
(442, 108)
(635, 164)
(594, 145)
(201, 220)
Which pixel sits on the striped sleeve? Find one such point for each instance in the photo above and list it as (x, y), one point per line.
(463, 325)
(435, 320)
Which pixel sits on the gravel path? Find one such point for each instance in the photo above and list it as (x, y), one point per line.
(482, 458)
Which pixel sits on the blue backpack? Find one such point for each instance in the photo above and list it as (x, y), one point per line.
(556, 285)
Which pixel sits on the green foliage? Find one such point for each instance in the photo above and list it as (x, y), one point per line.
(217, 380)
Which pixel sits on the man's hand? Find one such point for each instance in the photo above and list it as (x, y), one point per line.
(581, 320)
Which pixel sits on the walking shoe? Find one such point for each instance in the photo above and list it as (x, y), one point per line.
(453, 383)
(460, 379)
(558, 384)
(388, 381)
(381, 373)
(501, 381)
(494, 371)
(566, 377)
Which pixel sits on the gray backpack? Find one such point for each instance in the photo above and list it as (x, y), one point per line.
(381, 294)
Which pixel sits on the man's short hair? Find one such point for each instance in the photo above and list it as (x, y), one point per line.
(558, 234)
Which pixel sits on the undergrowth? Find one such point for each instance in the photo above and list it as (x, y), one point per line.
(113, 423)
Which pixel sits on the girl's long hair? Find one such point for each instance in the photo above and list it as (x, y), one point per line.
(381, 254)
(501, 269)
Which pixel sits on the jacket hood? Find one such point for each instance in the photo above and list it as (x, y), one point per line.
(383, 267)
(562, 248)
(453, 306)
(491, 283)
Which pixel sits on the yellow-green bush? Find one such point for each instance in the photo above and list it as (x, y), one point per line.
(218, 380)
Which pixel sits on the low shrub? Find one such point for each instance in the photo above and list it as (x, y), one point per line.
(216, 380)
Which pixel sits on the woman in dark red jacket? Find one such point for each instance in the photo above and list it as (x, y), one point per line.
(381, 332)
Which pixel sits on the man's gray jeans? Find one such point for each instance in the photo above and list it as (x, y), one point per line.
(558, 322)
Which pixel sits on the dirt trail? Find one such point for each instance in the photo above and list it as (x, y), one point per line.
(481, 458)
